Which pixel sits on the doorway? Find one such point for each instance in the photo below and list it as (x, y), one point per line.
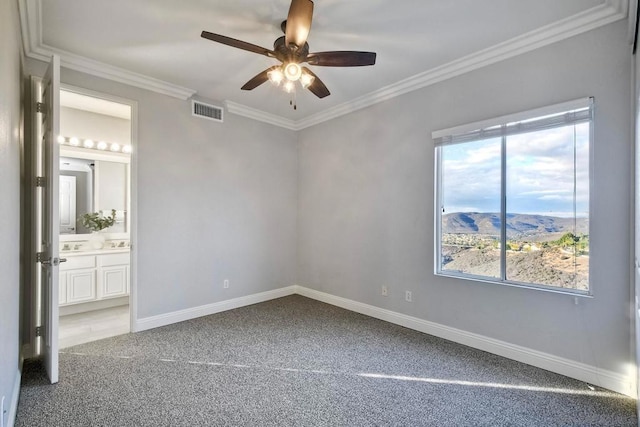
(95, 146)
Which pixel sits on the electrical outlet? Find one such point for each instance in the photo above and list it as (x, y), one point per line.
(226, 284)
(385, 291)
(407, 296)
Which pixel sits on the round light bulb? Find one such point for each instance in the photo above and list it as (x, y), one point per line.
(102, 145)
(289, 87)
(306, 80)
(88, 143)
(61, 139)
(292, 71)
(115, 147)
(74, 141)
(275, 76)
(126, 149)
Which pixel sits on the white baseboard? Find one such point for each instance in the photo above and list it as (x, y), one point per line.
(205, 310)
(66, 310)
(610, 380)
(13, 408)
(590, 374)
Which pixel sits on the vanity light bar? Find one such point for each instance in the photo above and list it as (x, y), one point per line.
(89, 143)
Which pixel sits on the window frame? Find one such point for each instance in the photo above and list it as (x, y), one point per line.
(448, 136)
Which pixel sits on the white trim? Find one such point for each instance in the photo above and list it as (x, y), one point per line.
(610, 380)
(633, 14)
(31, 19)
(617, 382)
(515, 117)
(606, 13)
(100, 69)
(66, 310)
(259, 115)
(29, 26)
(205, 310)
(13, 408)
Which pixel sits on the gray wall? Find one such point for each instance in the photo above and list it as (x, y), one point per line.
(366, 202)
(215, 201)
(10, 148)
(353, 200)
(98, 127)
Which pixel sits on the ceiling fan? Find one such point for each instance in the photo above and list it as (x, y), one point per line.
(292, 50)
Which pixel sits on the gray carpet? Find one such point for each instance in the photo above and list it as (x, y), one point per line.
(298, 362)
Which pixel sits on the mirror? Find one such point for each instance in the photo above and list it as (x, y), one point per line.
(91, 185)
(95, 155)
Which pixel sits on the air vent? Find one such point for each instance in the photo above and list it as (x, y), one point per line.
(206, 111)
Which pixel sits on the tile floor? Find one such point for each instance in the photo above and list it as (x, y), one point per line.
(95, 325)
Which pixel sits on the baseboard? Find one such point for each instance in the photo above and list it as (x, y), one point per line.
(13, 408)
(205, 310)
(66, 310)
(610, 380)
(590, 374)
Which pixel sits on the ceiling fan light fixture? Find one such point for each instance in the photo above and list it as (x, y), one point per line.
(292, 71)
(289, 87)
(306, 79)
(275, 76)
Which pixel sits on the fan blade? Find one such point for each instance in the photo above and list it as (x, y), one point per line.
(238, 44)
(258, 79)
(343, 58)
(299, 22)
(317, 87)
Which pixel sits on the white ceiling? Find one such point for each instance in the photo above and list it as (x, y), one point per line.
(417, 42)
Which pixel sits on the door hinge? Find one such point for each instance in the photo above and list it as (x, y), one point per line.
(39, 331)
(40, 107)
(39, 256)
(40, 181)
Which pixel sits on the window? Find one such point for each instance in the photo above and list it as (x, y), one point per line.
(512, 198)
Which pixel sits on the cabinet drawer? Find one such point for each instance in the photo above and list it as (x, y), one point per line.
(75, 262)
(113, 259)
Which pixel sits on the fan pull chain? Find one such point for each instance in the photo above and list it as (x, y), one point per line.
(293, 102)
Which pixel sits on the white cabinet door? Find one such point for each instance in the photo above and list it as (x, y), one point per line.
(114, 281)
(81, 285)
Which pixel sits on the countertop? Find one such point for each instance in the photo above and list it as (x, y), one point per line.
(105, 251)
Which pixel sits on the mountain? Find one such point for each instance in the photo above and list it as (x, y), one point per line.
(517, 224)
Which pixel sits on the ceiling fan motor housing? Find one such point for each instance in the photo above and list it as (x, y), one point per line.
(291, 53)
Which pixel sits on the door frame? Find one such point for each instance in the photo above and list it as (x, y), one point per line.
(33, 348)
(133, 192)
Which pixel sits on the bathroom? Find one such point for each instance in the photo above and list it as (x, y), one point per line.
(95, 217)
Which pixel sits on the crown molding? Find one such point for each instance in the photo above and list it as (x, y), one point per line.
(606, 13)
(31, 22)
(259, 115)
(598, 16)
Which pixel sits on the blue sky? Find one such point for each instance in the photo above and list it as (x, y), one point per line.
(540, 173)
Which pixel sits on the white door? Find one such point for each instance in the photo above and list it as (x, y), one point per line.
(50, 223)
(67, 204)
